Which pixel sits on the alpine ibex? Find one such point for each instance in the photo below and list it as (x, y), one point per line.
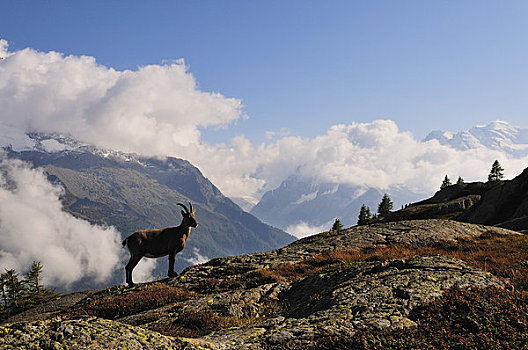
(160, 242)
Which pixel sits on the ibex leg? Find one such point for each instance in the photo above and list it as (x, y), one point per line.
(134, 260)
(172, 257)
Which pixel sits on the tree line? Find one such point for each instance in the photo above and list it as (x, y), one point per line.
(496, 174)
(365, 216)
(385, 206)
(18, 294)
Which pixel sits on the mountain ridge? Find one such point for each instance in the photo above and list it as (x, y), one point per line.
(299, 197)
(501, 203)
(497, 135)
(131, 192)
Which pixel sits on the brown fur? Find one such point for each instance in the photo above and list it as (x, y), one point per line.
(160, 242)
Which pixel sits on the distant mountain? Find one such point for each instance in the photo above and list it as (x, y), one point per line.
(246, 203)
(132, 193)
(300, 201)
(498, 135)
(303, 201)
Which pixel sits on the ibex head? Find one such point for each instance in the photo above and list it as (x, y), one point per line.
(188, 215)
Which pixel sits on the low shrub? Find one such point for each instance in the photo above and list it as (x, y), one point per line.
(463, 318)
(117, 306)
(197, 323)
(504, 256)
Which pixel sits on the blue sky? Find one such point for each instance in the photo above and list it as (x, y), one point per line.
(307, 65)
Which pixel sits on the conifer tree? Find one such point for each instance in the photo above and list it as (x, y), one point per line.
(385, 205)
(337, 226)
(460, 180)
(496, 172)
(33, 278)
(13, 288)
(35, 291)
(364, 215)
(3, 289)
(445, 183)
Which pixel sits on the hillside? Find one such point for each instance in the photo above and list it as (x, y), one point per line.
(371, 286)
(132, 193)
(501, 203)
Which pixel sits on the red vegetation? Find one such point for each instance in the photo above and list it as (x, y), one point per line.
(117, 306)
(197, 323)
(471, 318)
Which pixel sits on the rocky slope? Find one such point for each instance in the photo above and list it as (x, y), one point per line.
(500, 203)
(504, 205)
(365, 277)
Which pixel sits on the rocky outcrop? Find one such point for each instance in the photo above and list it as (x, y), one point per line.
(375, 294)
(503, 204)
(91, 333)
(269, 298)
(450, 209)
(498, 203)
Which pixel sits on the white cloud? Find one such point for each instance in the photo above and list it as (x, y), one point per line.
(197, 258)
(144, 270)
(154, 110)
(3, 48)
(302, 229)
(159, 110)
(34, 227)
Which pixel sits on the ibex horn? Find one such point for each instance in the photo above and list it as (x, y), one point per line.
(191, 207)
(184, 207)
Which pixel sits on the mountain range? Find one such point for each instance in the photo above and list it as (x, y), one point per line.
(300, 202)
(131, 193)
(414, 279)
(307, 203)
(498, 135)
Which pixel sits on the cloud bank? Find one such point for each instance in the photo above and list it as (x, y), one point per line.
(33, 226)
(159, 110)
(302, 229)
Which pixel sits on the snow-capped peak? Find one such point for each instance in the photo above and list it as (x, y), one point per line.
(17, 140)
(497, 135)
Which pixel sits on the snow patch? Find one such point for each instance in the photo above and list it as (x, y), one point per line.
(306, 197)
(52, 146)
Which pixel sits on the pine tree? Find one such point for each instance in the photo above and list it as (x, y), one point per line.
(36, 292)
(445, 183)
(496, 172)
(337, 226)
(13, 288)
(3, 289)
(385, 205)
(364, 215)
(19, 295)
(33, 278)
(460, 180)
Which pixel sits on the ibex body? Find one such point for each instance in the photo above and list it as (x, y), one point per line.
(158, 243)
